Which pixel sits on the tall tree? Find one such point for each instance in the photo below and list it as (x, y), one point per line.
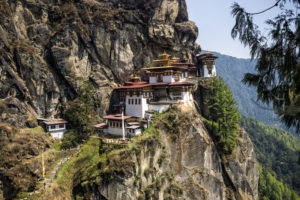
(223, 111)
(278, 68)
(81, 112)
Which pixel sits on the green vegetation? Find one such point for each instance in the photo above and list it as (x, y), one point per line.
(57, 145)
(70, 139)
(270, 188)
(37, 129)
(173, 120)
(278, 68)
(162, 157)
(101, 163)
(81, 115)
(224, 116)
(276, 150)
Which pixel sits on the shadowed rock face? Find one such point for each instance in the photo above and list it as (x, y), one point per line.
(47, 48)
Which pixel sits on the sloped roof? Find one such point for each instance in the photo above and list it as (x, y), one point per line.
(116, 117)
(56, 121)
(101, 125)
(154, 84)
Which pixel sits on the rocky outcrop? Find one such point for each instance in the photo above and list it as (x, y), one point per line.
(242, 169)
(175, 162)
(47, 48)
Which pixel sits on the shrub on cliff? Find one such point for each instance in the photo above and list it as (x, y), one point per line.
(224, 113)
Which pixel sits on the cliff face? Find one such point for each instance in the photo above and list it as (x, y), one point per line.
(176, 160)
(47, 48)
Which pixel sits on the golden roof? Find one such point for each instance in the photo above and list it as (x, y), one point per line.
(164, 55)
(135, 78)
(164, 63)
(175, 58)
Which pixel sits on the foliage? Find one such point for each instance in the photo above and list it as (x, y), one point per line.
(81, 115)
(276, 150)
(57, 145)
(70, 139)
(173, 120)
(161, 157)
(278, 66)
(270, 188)
(81, 165)
(224, 112)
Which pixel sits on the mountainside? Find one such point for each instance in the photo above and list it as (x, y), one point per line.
(48, 48)
(232, 71)
(173, 159)
(277, 151)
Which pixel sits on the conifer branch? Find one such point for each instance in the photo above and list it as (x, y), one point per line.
(257, 13)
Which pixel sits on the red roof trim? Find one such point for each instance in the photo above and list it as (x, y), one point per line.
(117, 117)
(101, 125)
(55, 121)
(136, 83)
(132, 86)
(154, 84)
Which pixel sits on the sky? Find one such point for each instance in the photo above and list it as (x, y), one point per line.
(214, 21)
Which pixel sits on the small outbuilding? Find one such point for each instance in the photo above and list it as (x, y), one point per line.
(56, 127)
(100, 128)
(114, 125)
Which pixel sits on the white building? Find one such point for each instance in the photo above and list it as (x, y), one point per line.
(114, 125)
(166, 86)
(56, 127)
(207, 64)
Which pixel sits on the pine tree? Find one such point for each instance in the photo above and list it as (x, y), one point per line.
(278, 68)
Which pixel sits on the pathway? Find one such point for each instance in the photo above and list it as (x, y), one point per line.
(47, 182)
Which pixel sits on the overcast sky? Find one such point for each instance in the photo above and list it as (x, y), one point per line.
(214, 22)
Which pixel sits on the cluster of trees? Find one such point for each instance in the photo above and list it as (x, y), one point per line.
(277, 151)
(270, 188)
(223, 114)
(81, 115)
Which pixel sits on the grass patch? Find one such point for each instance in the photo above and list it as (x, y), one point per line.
(57, 145)
(37, 129)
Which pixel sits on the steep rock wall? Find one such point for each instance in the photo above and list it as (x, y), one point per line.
(178, 163)
(47, 48)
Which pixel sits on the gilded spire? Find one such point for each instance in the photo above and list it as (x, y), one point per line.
(164, 56)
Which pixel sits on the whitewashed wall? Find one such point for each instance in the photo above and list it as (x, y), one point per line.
(136, 132)
(152, 79)
(59, 134)
(136, 110)
(115, 131)
(214, 72)
(168, 79)
(159, 108)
